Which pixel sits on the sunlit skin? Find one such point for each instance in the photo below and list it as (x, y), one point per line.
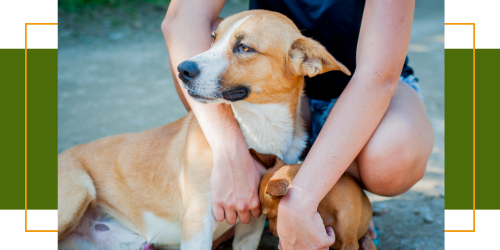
(367, 133)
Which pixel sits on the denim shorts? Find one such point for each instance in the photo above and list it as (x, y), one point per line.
(320, 109)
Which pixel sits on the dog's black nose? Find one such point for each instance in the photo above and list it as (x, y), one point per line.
(187, 71)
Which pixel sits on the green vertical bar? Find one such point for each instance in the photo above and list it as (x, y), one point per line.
(42, 129)
(12, 127)
(458, 128)
(487, 129)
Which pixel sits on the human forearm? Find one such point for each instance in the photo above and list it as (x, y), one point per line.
(382, 47)
(187, 28)
(350, 125)
(235, 174)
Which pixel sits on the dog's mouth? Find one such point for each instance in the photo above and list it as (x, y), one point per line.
(236, 94)
(233, 95)
(199, 97)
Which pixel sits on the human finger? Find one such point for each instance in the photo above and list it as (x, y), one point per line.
(230, 214)
(330, 236)
(254, 207)
(218, 211)
(244, 216)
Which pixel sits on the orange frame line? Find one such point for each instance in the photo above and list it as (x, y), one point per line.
(26, 127)
(473, 129)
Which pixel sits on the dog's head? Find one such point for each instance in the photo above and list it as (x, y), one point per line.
(258, 56)
(274, 184)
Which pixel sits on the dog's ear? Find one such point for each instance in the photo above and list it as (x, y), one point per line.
(266, 160)
(278, 184)
(277, 187)
(310, 58)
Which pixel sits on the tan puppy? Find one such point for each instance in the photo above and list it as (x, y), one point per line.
(345, 208)
(131, 191)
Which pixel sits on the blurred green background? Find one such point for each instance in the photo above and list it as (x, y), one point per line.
(89, 5)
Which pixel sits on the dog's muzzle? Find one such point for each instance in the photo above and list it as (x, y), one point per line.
(188, 71)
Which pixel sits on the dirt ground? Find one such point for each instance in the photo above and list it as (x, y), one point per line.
(114, 78)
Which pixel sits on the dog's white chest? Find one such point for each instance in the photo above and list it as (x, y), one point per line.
(269, 129)
(161, 231)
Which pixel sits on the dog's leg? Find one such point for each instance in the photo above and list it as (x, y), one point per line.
(198, 228)
(346, 230)
(75, 192)
(247, 236)
(198, 221)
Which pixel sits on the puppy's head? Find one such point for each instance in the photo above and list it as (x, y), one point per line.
(273, 185)
(257, 56)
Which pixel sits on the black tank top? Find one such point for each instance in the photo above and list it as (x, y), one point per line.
(333, 23)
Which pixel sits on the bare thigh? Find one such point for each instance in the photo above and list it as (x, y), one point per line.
(395, 157)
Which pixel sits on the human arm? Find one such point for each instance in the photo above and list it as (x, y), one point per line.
(187, 29)
(382, 47)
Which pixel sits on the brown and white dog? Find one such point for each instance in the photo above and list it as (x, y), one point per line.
(345, 208)
(133, 190)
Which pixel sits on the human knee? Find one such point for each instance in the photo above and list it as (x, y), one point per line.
(396, 181)
(392, 168)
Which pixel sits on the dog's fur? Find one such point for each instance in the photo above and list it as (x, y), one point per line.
(122, 191)
(345, 208)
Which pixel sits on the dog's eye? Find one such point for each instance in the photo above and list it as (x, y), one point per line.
(213, 38)
(243, 48)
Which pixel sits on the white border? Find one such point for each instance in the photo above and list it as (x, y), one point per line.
(485, 237)
(458, 37)
(14, 237)
(42, 219)
(42, 37)
(458, 219)
(484, 13)
(15, 13)
(13, 16)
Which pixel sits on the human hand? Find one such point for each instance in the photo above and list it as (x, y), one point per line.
(235, 185)
(299, 224)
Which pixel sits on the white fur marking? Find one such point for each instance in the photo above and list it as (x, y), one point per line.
(212, 63)
(267, 128)
(203, 240)
(162, 231)
(247, 236)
